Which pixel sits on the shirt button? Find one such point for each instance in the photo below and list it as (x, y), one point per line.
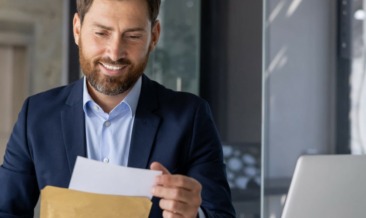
(107, 123)
(106, 160)
(96, 108)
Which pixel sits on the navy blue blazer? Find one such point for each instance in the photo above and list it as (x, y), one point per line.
(175, 129)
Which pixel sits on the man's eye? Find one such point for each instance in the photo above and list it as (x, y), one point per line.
(134, 36)
(100, 33)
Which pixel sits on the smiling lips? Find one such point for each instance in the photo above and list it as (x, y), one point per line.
(113, 69)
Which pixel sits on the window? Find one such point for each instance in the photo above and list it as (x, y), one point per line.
(175, 61)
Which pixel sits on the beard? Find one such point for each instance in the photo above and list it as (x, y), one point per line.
(111, 85)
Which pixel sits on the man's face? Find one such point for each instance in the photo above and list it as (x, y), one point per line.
(114, 42)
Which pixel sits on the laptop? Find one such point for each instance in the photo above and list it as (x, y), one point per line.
(327, 186)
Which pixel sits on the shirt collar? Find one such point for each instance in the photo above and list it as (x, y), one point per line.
(131, 99)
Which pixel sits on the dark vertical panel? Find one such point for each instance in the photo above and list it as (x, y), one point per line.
(73, 56)
(213, 65)
(244, 69)
(230, 80)
(344, 61)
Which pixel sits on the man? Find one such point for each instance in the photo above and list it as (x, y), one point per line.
(117, 115)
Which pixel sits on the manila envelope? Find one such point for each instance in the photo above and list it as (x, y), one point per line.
(65, 203)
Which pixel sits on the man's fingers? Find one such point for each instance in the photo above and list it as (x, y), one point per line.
(173, 206)
(179, 181)
(180, 195)
(159, 166)
(176, 194)
(170, 214)
(177, 209)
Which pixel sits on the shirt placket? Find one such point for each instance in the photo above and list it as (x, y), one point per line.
(106, 140)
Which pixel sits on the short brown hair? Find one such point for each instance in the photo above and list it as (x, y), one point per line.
(83, 7)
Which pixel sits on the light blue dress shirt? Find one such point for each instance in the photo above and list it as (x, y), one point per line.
(108, 136)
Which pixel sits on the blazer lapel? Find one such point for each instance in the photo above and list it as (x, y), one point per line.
(73, 125)
(145, 126)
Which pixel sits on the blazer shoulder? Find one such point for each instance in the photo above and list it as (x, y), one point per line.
(54, 100)
(167, 95)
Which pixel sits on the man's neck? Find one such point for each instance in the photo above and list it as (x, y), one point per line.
(106, 102)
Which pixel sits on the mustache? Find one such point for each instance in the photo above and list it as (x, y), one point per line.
(122, 61)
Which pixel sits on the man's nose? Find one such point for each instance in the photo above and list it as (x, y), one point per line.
(116, 49)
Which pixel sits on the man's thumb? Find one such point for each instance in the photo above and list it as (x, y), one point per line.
(160, 167)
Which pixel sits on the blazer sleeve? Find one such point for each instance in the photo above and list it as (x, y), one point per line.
(19, 189)
(207, 165)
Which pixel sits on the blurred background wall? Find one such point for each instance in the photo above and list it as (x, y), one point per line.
(31, 54)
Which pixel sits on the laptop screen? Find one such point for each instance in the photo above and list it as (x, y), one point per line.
(325, 186)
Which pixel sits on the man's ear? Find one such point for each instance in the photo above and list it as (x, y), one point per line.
(76, 28)
(155, 34)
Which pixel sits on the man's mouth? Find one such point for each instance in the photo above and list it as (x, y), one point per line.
(111, 66)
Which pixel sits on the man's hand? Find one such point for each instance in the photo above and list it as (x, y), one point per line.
(180, 195)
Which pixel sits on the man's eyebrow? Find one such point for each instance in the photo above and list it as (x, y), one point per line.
(102, 26)
(133, 29)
